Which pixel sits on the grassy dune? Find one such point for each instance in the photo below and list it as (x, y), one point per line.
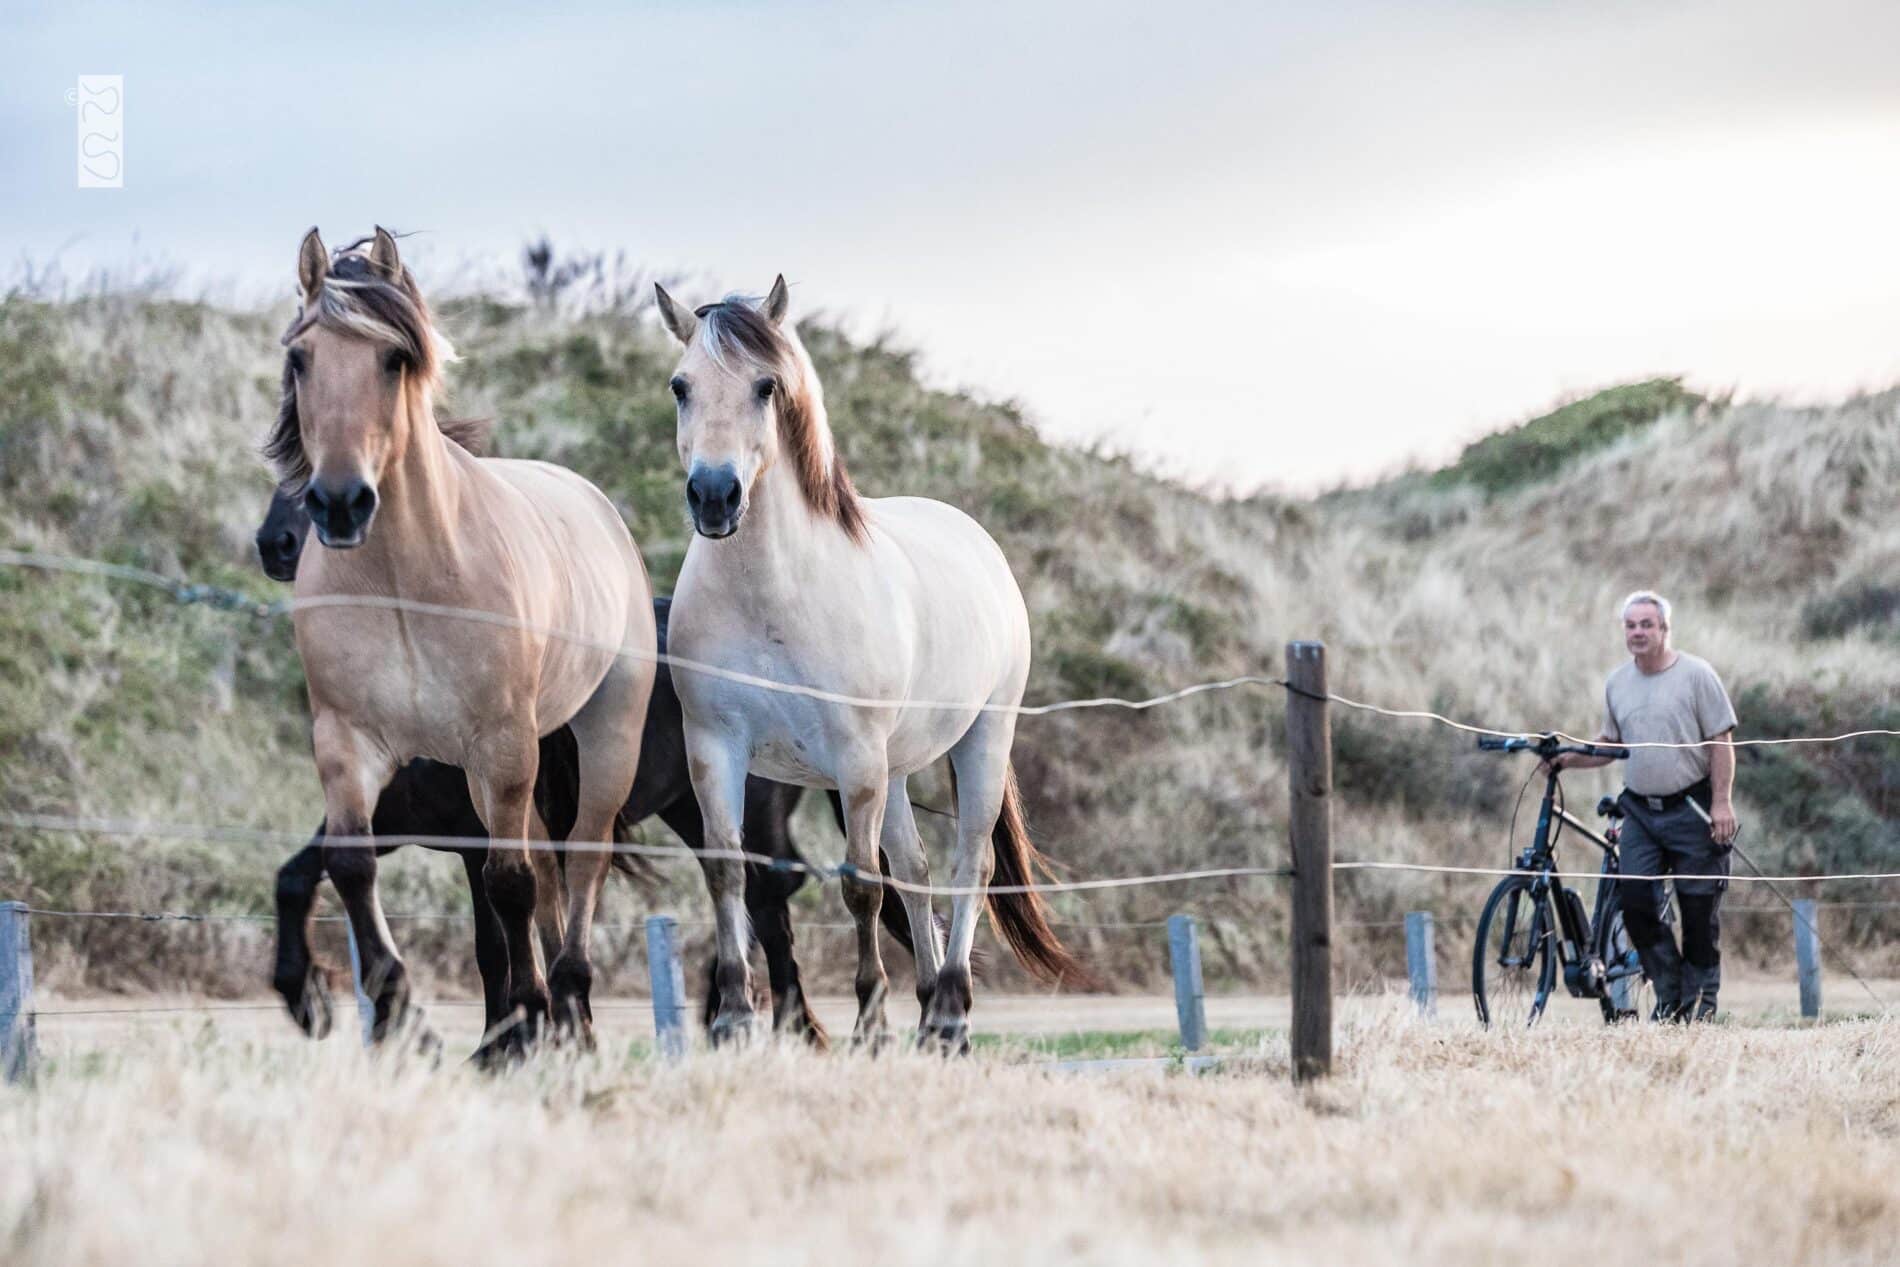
(1434, 1144)
(128, 425)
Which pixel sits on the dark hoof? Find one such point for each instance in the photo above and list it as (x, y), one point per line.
(874, 1042)
(949, 1038)
(732, 1029)
(505, 1045)
(571, 987)
(309, 1003)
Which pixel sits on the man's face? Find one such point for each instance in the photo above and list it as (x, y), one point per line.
(1643, 630)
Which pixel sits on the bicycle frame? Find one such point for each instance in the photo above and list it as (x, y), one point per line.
(1579, 947)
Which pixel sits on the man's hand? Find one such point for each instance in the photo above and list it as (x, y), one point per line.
(1722, 824)
(1555, 763)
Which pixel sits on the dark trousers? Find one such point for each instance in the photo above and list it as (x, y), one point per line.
(1674, 842)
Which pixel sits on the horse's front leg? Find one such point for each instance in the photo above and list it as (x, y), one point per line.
(501, 781)
(865, 787)
(354, 769)
(904, 850)
(717, 764)
(297, 975)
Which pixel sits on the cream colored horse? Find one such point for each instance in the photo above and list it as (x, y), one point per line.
(791, 577)
(404, 512)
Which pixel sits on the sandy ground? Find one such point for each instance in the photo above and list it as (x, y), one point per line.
(192, 1137)
(76, 1025)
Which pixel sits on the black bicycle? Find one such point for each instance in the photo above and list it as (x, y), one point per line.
(1533, 923)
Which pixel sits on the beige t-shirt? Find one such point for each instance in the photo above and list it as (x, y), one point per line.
(1685, 703)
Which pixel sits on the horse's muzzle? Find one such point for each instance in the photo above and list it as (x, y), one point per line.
(340, 512)
(716, 499)
(278, 551)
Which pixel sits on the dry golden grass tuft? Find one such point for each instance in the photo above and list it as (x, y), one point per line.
(1435, 1144)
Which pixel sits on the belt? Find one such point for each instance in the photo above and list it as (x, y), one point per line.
(1700, 790)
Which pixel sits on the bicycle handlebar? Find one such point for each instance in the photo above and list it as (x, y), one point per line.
(1548, 746)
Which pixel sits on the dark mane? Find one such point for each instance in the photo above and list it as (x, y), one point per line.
(359, 299)
(735, 326)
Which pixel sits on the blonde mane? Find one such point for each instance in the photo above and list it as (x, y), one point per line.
(357, 298)
(734, 329)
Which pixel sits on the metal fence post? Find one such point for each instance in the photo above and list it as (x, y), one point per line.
(1309, 745)
(669, 986)
(1421, 961)
(1807, 957)
(365, 1009)
(19, 1044)
(1184, 952)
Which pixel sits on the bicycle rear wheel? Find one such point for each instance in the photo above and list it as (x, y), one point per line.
(1512, 968)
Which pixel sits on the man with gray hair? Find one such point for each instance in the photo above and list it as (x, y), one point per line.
(1678, 808)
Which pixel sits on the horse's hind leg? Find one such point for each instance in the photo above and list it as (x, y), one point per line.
(768, 895)
(865, 791)
(904, 850)
(491, 947)
(607, 733)
(297, 976)
(980, 761)
(550, 884)
(354, 771)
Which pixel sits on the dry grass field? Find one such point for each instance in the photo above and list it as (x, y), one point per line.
(222, 1138)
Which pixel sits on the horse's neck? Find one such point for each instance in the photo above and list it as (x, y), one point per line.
(783, 545)
(422, 496)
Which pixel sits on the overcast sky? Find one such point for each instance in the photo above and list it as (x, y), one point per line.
(1279, 244)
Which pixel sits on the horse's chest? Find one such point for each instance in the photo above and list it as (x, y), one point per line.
(415, 704)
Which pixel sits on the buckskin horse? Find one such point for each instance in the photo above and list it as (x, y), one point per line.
(410, 524)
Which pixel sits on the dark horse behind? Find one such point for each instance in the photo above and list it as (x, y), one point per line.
(428, 798)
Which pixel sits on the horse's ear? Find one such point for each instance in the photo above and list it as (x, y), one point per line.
(777, 301)
(679, 320)
(313, 264)
(382, 253)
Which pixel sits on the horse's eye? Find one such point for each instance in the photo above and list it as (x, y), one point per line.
(765, 388)
(297, 360)
(393, 361)
(679, 389)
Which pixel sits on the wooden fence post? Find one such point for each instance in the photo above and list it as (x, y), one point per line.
(19, 1044)
(365, 1009)
(669, 986)
(1310, 774)
(1807, 956)
(1421, 961)
(1184, 952)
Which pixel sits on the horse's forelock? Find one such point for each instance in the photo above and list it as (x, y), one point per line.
(357, 298)
(735, 328)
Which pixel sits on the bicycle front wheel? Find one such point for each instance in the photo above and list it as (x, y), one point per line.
(1512, 968)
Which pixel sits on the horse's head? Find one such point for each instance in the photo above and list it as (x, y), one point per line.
(280, 536)
(359, 362)
(739, 371)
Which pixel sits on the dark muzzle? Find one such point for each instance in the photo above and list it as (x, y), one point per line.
(340, 512)
(715, 498)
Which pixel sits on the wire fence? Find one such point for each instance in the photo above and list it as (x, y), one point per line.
(230, 600)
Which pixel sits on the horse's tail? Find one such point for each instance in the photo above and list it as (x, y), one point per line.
(1023, 918)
